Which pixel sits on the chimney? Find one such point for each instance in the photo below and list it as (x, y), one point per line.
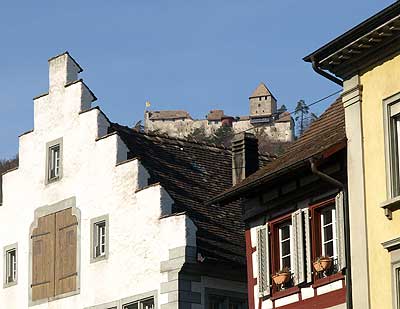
(244, 156)
(63, 69)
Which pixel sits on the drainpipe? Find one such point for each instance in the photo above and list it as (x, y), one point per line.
(339, 185)
(325, 74)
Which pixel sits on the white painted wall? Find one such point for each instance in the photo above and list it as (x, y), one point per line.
(93, 173)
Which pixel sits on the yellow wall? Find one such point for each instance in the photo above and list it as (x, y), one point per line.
(378, 84)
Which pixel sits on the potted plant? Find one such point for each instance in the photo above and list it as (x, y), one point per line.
(322, 263)
(282, 276)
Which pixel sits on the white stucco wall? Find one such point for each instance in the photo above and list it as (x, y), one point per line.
(94, 172)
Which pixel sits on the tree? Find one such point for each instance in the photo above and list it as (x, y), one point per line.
(282, 109)
(199, 135)
(223, 136)
(6, 165)
(301, 113)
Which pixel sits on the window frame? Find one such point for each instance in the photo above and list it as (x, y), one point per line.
(275, 252)
(57, 142)
(316, 235)
(391, 111)
(93, 238)
(6, 250)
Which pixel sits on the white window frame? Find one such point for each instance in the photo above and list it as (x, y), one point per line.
(281, 257)
(334, 232)
(54, 163)
(98, 239)
(10, 266)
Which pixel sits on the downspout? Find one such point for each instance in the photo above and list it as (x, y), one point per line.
(325, 74)
(339, 185)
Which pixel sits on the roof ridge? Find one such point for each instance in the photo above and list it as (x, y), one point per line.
(172, 139)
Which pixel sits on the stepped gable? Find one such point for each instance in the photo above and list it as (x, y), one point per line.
(325, 132)
(192, 173)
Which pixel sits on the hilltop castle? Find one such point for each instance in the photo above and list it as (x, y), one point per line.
(264, 118)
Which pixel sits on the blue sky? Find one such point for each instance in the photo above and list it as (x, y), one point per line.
(183, 54)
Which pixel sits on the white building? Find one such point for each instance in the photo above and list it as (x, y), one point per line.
(100, 216)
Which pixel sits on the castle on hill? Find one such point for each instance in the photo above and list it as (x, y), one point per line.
(264, 118)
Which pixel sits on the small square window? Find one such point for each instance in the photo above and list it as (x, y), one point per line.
(142, 304)
(10, 265)
(54, 161)
(99, 238)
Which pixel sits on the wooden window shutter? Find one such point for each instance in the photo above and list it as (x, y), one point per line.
(43, 257)
(66, 272)
(298, 248)
(263, 262)
(339, 204)
(307, 247)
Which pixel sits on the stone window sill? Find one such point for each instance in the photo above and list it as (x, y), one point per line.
(391, 205)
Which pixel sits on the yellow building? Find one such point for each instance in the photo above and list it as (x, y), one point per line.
(366, 62)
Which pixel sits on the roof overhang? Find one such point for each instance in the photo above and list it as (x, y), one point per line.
(242, 191)
(371, 41)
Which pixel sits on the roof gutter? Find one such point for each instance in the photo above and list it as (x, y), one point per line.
(341, 186)
(325, 74)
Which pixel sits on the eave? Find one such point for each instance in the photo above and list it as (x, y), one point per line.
(371, 41)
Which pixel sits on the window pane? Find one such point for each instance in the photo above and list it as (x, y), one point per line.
(285, 232)
(148, 304)
(328, 233)
(329, 249)
(286, 262)
(131, 306)
(327, 215)
(285, 247)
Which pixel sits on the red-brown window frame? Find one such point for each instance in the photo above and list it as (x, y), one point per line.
(316, 242)
(274, 249)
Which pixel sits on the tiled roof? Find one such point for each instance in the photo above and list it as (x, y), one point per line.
(160, 115)
(215, 114)
(192, 173)
(324, 133)
(284, 117)
(261, 91)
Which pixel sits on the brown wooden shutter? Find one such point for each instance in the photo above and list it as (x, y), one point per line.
(43, 257)
(66, 272)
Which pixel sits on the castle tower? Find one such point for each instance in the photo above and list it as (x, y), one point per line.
(262, 102)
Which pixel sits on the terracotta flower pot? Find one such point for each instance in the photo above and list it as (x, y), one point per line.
(322, 264)
(281, 278)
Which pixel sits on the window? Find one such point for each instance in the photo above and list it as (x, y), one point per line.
(219, 299)
(10, 266)
(325, 235)
(54, 164)
(328, 232)
(99, 238)
(282, 251)
(11, 260)
(54, 161)
(285, 244)
(54, 256)
(142, 304)
(392, 246)
(396, 284)
(392, 144)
